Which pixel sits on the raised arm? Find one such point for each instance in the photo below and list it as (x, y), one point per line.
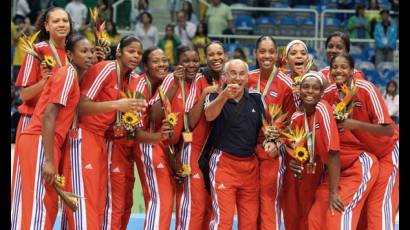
(196, 111)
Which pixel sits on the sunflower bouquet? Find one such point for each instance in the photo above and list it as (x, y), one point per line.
(29, 47)
(180, 170)
(345, 107)
(170, 117)
(101, 38)
(130, 119)
(272, 129)
(295, 146)
(70, 199)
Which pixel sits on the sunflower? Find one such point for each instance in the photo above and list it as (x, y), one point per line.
(49, 61)
(172, 118)
(185, 170)
(301, 154)
(297, 79)
(130, 118)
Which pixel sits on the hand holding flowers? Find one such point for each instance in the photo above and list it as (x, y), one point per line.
(130, 119)
(271, 149)
(294, 144)
(170, 117)
(70, 199)
(29, 47)
(100, 33)
(180, 170)
(272, 130)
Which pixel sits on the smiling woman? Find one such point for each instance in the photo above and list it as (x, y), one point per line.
(86, 154)
(55, 28)
(47, 130)
(371, 124)
(276, 89)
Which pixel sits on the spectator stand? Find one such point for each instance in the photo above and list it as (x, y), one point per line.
(287, 24)
(282, 20)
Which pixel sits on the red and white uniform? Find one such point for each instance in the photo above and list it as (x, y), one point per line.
(299, 194)
(357, 74)
(382, 202)
(39, 203)
(121, 176)
(86, 160)
(192, 198)
(271, 170)
(155, 162)
(358, 174)
(30, 74)
(195, 211)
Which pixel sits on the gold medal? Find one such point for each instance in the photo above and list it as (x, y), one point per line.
(187, 137)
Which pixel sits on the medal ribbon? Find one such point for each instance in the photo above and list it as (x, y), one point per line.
(270, 80)
(149, 86)
(311, 137)
(75, 120)
(118, 73)
(186, 123)
(55, 54)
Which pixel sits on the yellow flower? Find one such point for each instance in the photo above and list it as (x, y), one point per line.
(94, 13)
(340, 107)
(172, 118)
(295, 135)
(49, 61)
(274, 110)
(185, 170)
(130, 118)
(301, 154)
(28, 46)
(60, 180)
(297, 79)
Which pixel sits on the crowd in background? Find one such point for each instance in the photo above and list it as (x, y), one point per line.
(189, 27)
(90, 113)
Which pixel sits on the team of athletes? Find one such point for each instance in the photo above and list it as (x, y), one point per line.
(68, 122)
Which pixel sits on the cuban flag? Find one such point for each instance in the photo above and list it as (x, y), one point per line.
(274, 93)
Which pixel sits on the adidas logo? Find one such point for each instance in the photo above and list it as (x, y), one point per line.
(221, 186)
(116, 170)
(160, 166)
(179, 96)
(196, 176)
(253, 110)
(89, 166)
